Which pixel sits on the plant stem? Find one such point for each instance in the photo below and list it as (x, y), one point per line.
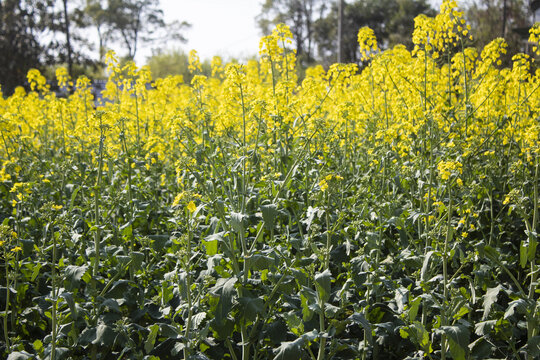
(445, 268)
(187, 335)
(6, 334)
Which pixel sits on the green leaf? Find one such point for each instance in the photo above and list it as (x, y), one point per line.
(137, 260)
(361, 320)
(425, 265)
(211, 245)
(19, 355)
(481, 349)
(250, 307)
(523, 253)
(198, 319)
(533, 244)
(483, 328)
(418, 334)
(237, 222)
(73, 275)
(104, 335)
(269, 214)
(151, 339)
(72, 200)
(414, 306)
(489, 299)
(308, 298)
(323, 283)
(119, 289)
(519, 306)
(224, 291)
(533, 347)
(458, 336)
(261, 262)
(290, 350)
(68, 297)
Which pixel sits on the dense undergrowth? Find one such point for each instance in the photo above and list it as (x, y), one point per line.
(387, 213)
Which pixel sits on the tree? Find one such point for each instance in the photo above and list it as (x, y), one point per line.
(20, 29)
(300, 16)
(508, 19)
(140, 21)
(174, 62)
(391, 20)
(314, 24)
(96, 15)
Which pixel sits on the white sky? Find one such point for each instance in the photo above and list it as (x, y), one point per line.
(218, 27)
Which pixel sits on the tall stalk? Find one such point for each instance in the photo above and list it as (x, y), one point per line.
(447, 239)
(6, 309)
(97, 198)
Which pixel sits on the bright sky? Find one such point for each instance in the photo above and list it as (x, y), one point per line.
(218, 27)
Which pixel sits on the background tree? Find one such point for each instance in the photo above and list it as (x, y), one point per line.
(97, 16)
(300, 15)
(490, 19)
(314, 24)
(20, 28)
(174, 62)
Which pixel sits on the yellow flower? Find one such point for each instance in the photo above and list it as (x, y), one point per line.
(16, 249)
(191, 206)
(57, 207)
(323, 185)
(177, 199)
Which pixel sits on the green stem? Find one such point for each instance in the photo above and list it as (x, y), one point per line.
(187, 335)
(322, 346)
(53, 276)
(97, 233)
(445, 268)
(6, 334)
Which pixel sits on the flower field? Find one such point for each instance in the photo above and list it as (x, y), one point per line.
(382, 212)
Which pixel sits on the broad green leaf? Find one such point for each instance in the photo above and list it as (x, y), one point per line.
(458, 336)
(211, 246)
(19, 355)
(483, 328)
(73, 275)
(523, 253)
(519, 306)
(237, 222)
(104, 335)
(533, 347)
(533, 244)
(323, 283)
(72, 200)
(269, 214)
(480, 348)
(250, 307)
(137, 260)
(361, 320)
(290, 350)
(425, 265)
(414, 306)
(261, 262)
(68, 297)
(224, 291)
(489, 299)
(151, 339)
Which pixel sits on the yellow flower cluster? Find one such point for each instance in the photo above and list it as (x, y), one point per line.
(449, 168)
(367, 42)
(399, 97)
(534, 37)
